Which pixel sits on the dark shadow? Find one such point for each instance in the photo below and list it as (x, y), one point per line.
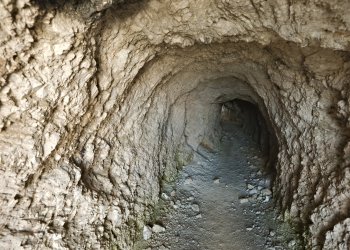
(55, 4)
(248, 116)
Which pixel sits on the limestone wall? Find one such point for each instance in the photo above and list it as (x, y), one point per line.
(101, 101)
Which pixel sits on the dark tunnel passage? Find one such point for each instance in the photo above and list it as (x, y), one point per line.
(248, 117)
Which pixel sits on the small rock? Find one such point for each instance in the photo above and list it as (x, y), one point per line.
(162, 247)
(100, 229)
(266, 191)
(147, 232)
(292, 243)
(216, 180)
(198, 216)
(158, 229)
(173, 193)
(253, 191)
(176, 205)
(190, 198)
(195, 207)
(243, 200)
(188, 181)
(260, 188)
(164, 196)
(267, 199)
(57, 157)
(272, 233)
(250, 186)
(249, 228)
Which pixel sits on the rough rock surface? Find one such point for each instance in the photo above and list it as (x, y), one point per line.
(101, 101)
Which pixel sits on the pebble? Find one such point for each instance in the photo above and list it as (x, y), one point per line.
(272, 233)
(100, 229)
(249, 228)
(173, 193)
(190, 198)
(188, 181)
(266, 191)
(243, 200)
(165, 196)
(195, 207)
(158, 229)
(250, 186)
(198, 216)
(147, 232)
(291, 243)
(216, 180)
(253, 191)
(267, 199)
(57, 157)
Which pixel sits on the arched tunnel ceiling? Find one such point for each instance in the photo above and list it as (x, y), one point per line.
(97, 100)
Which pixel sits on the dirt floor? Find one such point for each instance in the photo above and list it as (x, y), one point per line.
(220, 201)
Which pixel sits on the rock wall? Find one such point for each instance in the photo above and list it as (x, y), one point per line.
(102, 101)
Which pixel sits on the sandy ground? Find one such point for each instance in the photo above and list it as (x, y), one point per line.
(220, 201)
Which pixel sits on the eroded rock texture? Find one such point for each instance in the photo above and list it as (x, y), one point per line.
(103, 100)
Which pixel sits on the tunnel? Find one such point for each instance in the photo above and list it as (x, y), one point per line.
(105, 103)
(248, 117)
(222, 196)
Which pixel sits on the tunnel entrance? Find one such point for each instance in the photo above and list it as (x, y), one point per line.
(223, 199)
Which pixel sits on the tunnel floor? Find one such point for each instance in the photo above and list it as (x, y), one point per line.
(220, 201)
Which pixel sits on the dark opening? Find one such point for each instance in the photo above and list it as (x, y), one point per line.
(248, 116)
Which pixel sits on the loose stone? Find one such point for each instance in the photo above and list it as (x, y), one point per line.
(157, 228)
(147, 232)
(195, 207)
